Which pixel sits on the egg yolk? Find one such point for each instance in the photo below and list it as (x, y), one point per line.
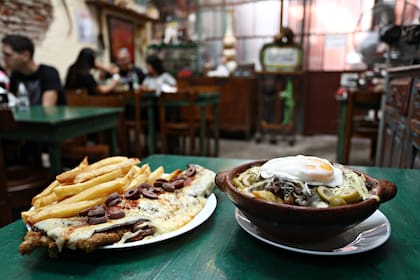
(313, 170)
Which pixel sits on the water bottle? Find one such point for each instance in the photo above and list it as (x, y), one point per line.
(134, 81)
(23, 97)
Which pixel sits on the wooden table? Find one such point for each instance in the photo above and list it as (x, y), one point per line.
(148, 100)
(53, 125)
(220, 249)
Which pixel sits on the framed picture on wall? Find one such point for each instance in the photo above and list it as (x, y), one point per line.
(120, 35)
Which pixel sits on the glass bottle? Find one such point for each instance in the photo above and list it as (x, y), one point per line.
(23, 97)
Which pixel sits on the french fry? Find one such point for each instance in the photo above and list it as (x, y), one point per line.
(156, 174)
(48, 190)
(142, 178)
(146, 169)
(64, 191)
(134, 170)
(106, 161)
(45, 200)
(68, 176)
(123, 165)
(25, 215)
(99, 190)
(60, 210)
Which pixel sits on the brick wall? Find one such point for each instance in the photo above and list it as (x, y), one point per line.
(27, 17)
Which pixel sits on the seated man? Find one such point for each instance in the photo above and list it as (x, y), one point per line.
(42, 82)
(129, 74)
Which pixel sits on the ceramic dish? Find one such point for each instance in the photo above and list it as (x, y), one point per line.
(301, 223)
(368, 235)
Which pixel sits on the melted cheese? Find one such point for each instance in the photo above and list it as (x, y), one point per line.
(168, 213)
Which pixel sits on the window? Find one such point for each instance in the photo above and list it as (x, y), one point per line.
(328, 38)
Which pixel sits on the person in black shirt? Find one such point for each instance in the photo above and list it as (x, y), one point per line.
(42, 82)
(79, 74)
(130, 75)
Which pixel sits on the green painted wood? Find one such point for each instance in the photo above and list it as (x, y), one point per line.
(220, 249)
(52, 125)
(60, 114)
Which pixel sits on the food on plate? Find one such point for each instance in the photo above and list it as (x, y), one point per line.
(305, 181)
(114, 201)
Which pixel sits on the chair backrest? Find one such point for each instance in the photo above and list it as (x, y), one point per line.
(180, 99)
(202, 89)
(5, 217)
(363, 101)
(357, 124)
(7, 120)
(171, 122)
(80, 98)
(18, 183)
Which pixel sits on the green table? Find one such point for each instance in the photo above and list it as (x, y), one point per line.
(53, 125)
(220, 249)
(149, 100)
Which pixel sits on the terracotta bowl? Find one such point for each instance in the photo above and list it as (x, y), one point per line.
(299, 223)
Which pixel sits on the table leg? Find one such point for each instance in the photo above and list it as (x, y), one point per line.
(341, 130)
(203, 147)
(216, 129)
(151, 129)
(55, 158)
(137, 117)
(111, 135)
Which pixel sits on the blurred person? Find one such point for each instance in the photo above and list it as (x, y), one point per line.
(79, 74)
(42, 82)
(157, 78)
(4, 79)
(129, 73)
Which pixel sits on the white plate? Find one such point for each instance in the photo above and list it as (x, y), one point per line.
(375, 231)
(201, 217)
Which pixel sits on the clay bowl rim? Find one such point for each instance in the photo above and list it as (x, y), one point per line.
(386, 190)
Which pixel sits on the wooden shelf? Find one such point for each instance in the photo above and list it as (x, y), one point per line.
(284, 73)
(122, 10)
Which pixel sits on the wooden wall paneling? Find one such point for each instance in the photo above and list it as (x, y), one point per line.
(237, 102)
(321, 109)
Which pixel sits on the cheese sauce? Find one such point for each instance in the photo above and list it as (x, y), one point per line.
(168, 213)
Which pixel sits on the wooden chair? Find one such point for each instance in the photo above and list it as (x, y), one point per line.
(18, 183)
(358, 124)
(173, 124)
(133, 118)
(75, 150)
(211, 115)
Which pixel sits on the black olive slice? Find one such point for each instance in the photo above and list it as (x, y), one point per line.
(190, 171)
(111, 197)
(96, 212)
(116, 214)
(132, 194)
(97, 220)
(169, 187)
(114, 202)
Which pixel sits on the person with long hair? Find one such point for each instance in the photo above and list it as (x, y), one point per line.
(157, 77)
(79, 74)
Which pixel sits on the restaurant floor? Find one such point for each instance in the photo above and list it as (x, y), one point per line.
(317, 145)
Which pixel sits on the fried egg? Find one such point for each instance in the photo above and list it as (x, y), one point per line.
(312, 170)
